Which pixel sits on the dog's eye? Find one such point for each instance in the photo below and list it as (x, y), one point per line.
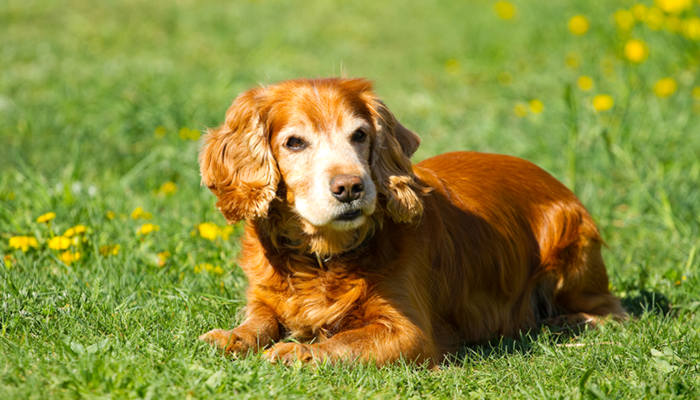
(359, 136)
(295, 143)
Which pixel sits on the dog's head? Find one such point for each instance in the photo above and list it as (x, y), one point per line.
(328, 148)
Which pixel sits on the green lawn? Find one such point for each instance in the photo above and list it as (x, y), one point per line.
(101, 103)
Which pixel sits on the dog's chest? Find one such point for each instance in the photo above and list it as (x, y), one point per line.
(318, 303)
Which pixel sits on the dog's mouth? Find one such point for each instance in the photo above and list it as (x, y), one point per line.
(349, 215)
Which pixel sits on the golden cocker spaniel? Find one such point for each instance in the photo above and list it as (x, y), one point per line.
(349, 246)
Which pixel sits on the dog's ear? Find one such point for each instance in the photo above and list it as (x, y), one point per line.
(391, 165)
(236, 161)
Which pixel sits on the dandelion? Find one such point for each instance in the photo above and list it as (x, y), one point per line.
(8, 260)
(665, 87)
(674, 6)
(145, 229)
(602, 102)
(162, 257)
(23, 242)
(696, 92)
(188, 134)
(46, 217)
(59, 243)
(691, 28)
(505, 10)
(69, 257)
(208, 230)
(76, 230)
(110, 249)
(208, 267)
(536, 106)
(110, 215)
(139, 213)
(636, 50)
(639, 11)
(167, 188)
(578, 25)
(520, 109)
(624, 19)
(585, 83)
(160, 131)
(673, 24)
(654, 18)
(226, 231)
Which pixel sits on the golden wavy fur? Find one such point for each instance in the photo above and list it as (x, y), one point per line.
(404, 261)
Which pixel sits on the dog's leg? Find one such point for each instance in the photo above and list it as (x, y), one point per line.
(582, 291)
(259, 329)
(377, 343)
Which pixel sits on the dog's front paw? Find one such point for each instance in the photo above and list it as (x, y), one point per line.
(228, 341)
(289, 353)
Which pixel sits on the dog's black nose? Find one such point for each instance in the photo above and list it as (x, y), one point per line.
(347, 188)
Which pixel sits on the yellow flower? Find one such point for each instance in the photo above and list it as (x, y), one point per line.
(665, 87)
(585, 83)
(163, 257)
(226, 231)
(536, 106)
(160, 131)
(69, 257)
(624, 19)
(639, 11)
(167, 188)
(46, 217)
(110, 215)
(208, 230)
(140, 213)
(696, 92)
(7, 259)
(145, 229)
(674, 6)
(691, 28)
(23, 242)
(208, 267)
(505, 10)
(654, 18)
(59, 243)
(187, 133)
(673, 24)
(603, 102)
(110, 249)
(578, 25)
(520, 109)
(76, 230)
(636, 50)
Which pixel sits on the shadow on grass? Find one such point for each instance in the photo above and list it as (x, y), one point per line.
(643, 302)
(647, 301)
(523, 344)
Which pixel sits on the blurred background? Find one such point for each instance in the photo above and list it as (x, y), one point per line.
(102, 104)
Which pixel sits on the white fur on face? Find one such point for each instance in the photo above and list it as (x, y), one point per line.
(308, 174)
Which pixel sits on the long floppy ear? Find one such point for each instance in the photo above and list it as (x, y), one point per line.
(391, 165)
(236, 161)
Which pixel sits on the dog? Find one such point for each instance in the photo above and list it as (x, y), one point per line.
(362, 256)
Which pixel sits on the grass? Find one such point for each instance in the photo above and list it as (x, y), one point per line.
(93, 99)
